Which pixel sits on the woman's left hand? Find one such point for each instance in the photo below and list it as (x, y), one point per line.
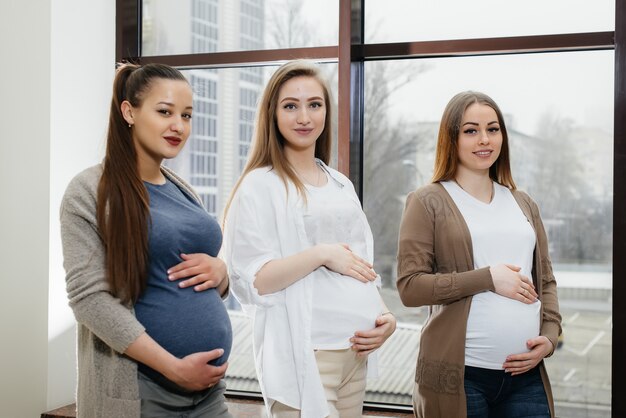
(200, 270)
(521, 363)
(366, 342)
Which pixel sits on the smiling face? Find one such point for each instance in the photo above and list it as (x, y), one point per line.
(161, 124)
(301, 113)
(480, 139)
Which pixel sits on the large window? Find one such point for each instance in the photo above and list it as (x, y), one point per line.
(426, 20)
(561, 144)
(393, 66)
(198, 26)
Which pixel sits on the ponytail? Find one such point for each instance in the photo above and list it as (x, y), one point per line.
(123, 205)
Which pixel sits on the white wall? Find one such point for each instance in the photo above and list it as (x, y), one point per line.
(82, 70)
(55, 82)
(24, 170)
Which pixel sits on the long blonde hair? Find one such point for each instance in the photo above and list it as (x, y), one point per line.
(447, 158)
(268, 143)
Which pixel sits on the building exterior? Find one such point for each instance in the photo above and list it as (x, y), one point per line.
(224, 100)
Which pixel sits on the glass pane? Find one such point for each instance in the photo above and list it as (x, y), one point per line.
(410, 20)
(561, 140)
(225, 104)
(199, 26)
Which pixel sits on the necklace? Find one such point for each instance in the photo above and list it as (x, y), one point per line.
(306, 180)
(490, 192)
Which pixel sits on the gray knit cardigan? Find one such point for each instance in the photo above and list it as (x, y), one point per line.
(107, 379)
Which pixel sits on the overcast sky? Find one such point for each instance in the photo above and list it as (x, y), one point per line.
(577, 85)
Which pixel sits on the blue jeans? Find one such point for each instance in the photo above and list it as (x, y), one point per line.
(496, 394)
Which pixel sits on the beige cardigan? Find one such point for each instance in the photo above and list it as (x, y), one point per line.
(436, 268)
(107, 379)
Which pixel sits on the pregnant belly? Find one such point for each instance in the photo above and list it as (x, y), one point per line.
(187, 322)
(341, 306)
(497, 327)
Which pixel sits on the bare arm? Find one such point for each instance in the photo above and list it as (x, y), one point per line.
(283, 272)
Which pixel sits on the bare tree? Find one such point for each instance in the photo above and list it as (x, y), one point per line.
(577, 219)
(287, 27)
(390, 149)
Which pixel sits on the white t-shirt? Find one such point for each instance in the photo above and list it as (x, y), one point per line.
(497, 326)
(341, 304)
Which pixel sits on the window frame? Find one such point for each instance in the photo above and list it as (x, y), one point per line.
(351, 53)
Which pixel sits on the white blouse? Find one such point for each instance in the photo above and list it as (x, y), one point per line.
(265, 222)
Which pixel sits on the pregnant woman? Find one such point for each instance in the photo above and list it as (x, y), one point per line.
(130, 229)
(473, 248)
(299, 250)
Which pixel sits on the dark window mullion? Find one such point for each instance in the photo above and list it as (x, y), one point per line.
(618, 366)
(490, 46)
(351, 90)
(243, 58)
(344, 86)
(128, 30)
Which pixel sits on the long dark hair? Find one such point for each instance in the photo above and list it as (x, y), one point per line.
(123, 202)
(447, 158)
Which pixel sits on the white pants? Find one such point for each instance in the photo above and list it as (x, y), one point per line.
(343, 375)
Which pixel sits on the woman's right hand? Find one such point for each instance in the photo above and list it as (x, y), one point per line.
(340, 259)
(280, 273)
(193, 373)
(509, 282)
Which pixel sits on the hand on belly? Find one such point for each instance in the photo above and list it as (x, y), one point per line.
(539, 348)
